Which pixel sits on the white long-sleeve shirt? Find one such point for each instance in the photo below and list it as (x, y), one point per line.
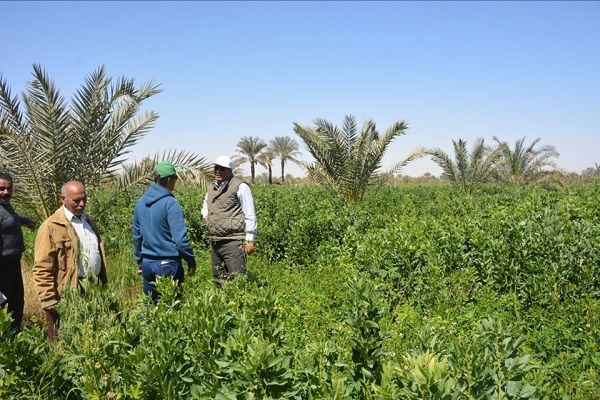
(247, 203)
(90, 262)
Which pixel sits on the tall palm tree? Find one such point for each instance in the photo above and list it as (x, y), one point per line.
(467, 170)
(526, 164)
(286, 149)
(48, 142)
(265, 158)
(249, 148)
(348, 159)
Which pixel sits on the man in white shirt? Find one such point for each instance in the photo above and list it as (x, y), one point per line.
(228, 211)
(90, 261)
(68, 250)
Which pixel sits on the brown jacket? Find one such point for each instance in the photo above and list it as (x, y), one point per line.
(56, 252)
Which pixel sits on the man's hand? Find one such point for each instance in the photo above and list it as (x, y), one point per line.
(53, 320)
(191, 271)
(139, 270)
(249, 248)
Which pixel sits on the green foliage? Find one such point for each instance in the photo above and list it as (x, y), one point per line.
(191, 199)
(47, 142)
(366, 337)
(291, 229)
(416, 292)
(483, 365)
(27, 364)
(468, 169)
(526, 164)
(347, 159)
(115, 222)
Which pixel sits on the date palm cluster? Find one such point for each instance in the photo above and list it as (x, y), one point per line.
(45, 141)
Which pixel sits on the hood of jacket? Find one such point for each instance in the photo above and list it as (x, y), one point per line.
(154, 193)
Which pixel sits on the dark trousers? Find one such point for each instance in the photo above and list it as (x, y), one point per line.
(11, 284)
(228, 259)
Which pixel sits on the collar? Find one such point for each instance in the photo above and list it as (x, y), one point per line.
(220, 186)
(70, 215)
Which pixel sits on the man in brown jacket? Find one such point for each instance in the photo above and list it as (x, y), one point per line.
(68, 249)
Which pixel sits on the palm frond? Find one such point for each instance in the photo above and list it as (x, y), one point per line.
(46, 142)
(443, 160)
(525, 164)
(196, 171)
(347, 160)
(415, 154)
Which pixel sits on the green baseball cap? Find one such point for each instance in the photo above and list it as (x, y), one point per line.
(165, 169)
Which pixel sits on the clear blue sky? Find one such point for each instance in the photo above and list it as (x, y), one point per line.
(231, 69)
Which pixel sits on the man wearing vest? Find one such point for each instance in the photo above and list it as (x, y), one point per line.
(228, 211)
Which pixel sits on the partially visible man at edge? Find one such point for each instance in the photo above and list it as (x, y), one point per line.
(12, 247)
(68, 249)
(228, 210)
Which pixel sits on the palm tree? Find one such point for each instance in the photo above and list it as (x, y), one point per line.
(467, 170)
(591, 172)
(249, 148)
(48, 142)
(266, 160)
(286, 149)
(526, 164)
(347, 160)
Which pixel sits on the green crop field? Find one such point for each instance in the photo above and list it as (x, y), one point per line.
(417, 292)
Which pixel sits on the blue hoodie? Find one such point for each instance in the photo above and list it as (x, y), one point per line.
(159, 231)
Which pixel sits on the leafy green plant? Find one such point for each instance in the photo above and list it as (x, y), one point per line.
(367, 337)
(484, 365)
(416, 292)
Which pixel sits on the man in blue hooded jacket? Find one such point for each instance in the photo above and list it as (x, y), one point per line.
(160, 240)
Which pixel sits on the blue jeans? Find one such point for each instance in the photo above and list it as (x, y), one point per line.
(153, 268)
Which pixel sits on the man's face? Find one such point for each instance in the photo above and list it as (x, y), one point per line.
(222, 173)
(6, 191)
(171, 183)
(75, 199)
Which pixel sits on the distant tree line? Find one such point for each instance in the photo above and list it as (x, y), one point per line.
(45, 141)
